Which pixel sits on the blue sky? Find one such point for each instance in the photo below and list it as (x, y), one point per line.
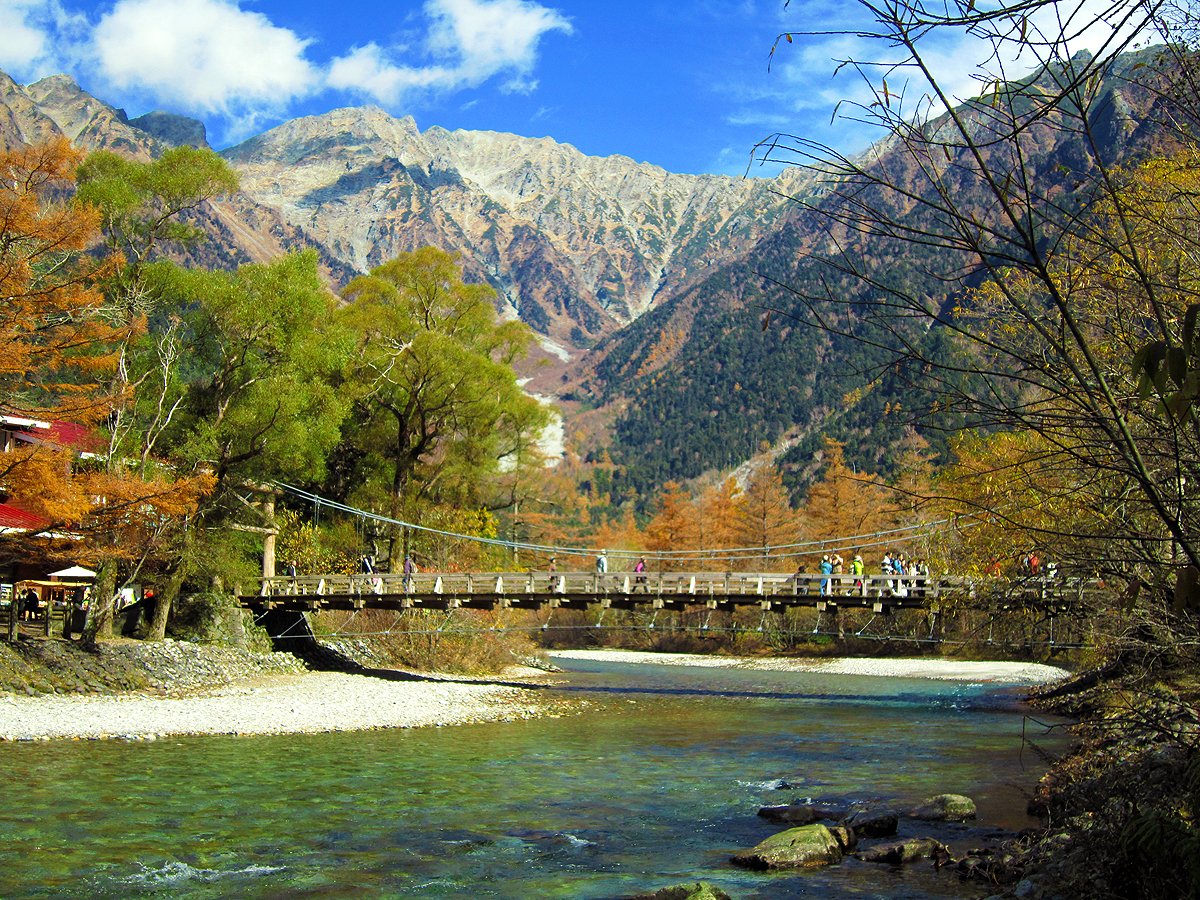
(684, 84)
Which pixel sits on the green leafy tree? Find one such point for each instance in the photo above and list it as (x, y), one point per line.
(141, 207)
(438, 413)
(145, 205)
(253, 398)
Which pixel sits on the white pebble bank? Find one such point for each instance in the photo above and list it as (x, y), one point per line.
(1003, 673)
(314, 702)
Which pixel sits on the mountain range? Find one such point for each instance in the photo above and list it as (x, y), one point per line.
(646, 288)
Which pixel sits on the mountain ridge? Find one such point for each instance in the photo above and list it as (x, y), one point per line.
(646, 287)
(576, 246)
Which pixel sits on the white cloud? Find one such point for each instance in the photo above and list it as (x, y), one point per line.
(206, 55)
(367, 71)
(214, 58)
(23, 38)
(492, 36)
(36, 36)
(468, 43)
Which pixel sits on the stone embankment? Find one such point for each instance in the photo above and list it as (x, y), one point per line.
(137, 690)
(38, 667)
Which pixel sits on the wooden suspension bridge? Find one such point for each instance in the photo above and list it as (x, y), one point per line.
(675, 591)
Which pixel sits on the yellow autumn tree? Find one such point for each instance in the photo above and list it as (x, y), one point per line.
(765, 519)
(842, 502)
(59, 348)
(673, 527)
(717, 517)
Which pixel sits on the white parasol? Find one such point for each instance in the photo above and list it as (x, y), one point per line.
(73, 572)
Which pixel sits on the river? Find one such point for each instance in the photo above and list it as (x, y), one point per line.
(656, 781)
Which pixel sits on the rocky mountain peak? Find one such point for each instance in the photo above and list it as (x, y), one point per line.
(87, 121)
(172, 129)
(575, 245)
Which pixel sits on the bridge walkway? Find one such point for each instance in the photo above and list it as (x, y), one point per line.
(768, 591)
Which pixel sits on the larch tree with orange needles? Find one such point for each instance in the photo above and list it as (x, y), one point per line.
(59, 349)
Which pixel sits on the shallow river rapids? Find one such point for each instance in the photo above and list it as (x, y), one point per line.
(656, 781)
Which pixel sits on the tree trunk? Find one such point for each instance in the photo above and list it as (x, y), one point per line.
(99, 624)
(162, 604)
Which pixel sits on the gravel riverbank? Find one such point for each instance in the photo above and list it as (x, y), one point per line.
(1000, 673)
(140, 690)
(278, 704)
(174, 688)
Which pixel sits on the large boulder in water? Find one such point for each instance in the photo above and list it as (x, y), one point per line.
(898, 852)
(945, 808)
(696, 890)
(797, 848)
(872, 823)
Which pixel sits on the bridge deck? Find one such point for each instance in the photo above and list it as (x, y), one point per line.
(666, 590)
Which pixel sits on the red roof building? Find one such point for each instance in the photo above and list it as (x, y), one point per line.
(13, 518)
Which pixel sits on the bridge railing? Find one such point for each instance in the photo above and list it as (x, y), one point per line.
(699, 584)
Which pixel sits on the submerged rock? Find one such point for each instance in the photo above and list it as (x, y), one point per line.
(696, 890)
(807, 847)
(945, 808)
(872, 823)
(898, 852)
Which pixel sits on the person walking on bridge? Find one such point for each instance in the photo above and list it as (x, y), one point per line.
(601, 567)
(640, 570)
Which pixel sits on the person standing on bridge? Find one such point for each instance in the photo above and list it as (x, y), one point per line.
(826, 569)
(410, 569)
(839, 566)
(601, 566)
(857, 568)
(640, 569)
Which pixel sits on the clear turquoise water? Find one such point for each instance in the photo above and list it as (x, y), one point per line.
(656, 782)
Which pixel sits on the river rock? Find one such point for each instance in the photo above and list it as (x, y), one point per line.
(696, 890)
(944, 808)
(898, 852)
(846, 838)
(807, 847)
(872, 823)
(790, 814)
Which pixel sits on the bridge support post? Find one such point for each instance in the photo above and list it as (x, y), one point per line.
(824, 608)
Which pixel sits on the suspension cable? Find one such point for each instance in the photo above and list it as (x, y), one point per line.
(775, 551)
